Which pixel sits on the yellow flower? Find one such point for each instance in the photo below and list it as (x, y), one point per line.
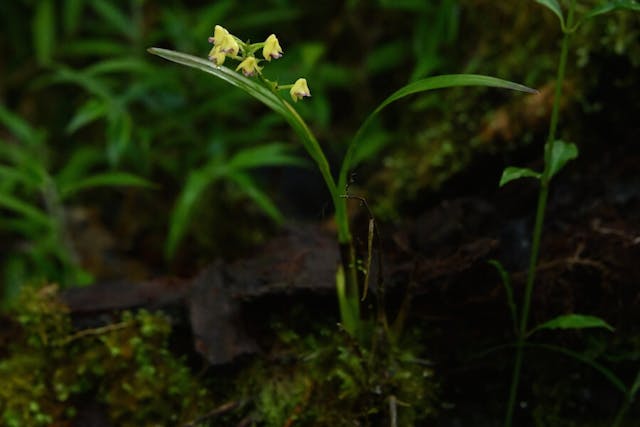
(217, 56)
(249, 66)
(299, 90)
(218, 34)
(272, 49)
(229, 45)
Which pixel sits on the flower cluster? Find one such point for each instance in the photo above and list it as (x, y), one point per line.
(226, 45)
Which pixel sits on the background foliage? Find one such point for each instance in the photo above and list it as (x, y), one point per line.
(115, 164)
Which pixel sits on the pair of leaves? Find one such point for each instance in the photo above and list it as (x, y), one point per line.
(566, 321)
(236, 170)
(561, 153)
(605, 7)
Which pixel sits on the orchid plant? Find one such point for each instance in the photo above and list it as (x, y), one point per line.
(248, 76)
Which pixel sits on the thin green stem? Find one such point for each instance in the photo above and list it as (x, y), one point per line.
(629, 397)
(539, 221)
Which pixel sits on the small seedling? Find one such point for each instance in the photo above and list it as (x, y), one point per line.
(556, 155)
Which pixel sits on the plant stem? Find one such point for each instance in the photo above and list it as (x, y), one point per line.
(539, 221)
(628, 400)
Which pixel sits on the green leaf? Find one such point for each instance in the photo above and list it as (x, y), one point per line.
(506, 281)
(553, 6)
(511, 173)
(44, 32)
(119, 65)
(78, 165)
(107, 179)
(119, 129)
(32, 213)
(71, 13)
(87, 113)
(430, 83)
(561, 154)
(89, 83)
(264, 155)
(8, 173)
(94, 47)
(196, 184)
(611, 6)
(19, 127)
(114, 17)
(247, 186)
(573, 321)
(615, 381)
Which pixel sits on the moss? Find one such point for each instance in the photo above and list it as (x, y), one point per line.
(124, 366)
(332, 381)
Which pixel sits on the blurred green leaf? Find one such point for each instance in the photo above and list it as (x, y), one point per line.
(114, 17)
(248, 187)
(553, 6)
(82, 160)
(268, 17)
(94, 47)
(512, 173)
(119, 65)
(71, 12)
(611, 6)
(410, 5)
(19, 175)
(19, 127)
(91, 84)
(119, 132)
(386, 56)
(107, 179)
(561, 154)
(375, 143)
(196, 184)
(613, 379)
(506, 281)
(87, 113)
(212, 15)
(33, 213)
(573, 321)
(44, 31)
(274, 154)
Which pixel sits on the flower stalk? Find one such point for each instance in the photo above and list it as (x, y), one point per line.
(543, 196)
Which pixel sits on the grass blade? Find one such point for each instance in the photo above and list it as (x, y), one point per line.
(430, 83)
(107, 179)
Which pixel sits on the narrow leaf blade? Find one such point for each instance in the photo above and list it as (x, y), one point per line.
(575, 321)
(196, 184)
(423, 85)
(506, 281)
(32, 213)
(44, 31)
(612, 6)
(561, 154)
(274, 154)
(512, 173)
(87, 113)
(236, 79)
(259, 197)
(554, 7)
(107, 179)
